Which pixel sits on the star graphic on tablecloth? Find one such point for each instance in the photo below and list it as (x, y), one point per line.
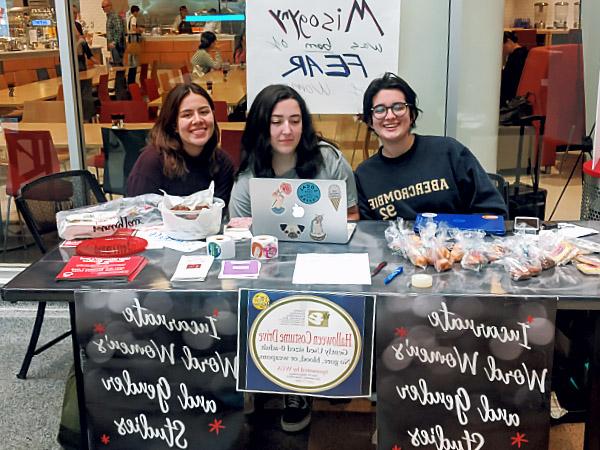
(530, 319)
(215, 426)
(105, 439)
(395, 447)
(518, 439)
(99, 328)
(216, 312)
(401, 331)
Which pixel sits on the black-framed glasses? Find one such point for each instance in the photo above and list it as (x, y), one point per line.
(399, 109)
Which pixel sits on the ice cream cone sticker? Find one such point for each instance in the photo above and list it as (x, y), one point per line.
(335, 195)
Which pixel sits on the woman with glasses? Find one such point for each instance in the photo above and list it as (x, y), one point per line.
(413, 174)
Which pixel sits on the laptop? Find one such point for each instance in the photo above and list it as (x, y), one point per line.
(490, 223)
(300, 210)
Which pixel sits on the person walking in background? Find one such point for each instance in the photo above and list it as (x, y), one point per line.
(115, 33)
(213, 26)
(514, 56)
(202, 62)
(134, 37)
(239, 53)
(83, 49)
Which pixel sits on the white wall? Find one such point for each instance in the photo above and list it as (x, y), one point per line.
(590, 12)
(423, 58)
(474, 76)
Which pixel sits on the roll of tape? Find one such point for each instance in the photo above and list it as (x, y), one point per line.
(220, 246)
(264, 247)
(421, 280)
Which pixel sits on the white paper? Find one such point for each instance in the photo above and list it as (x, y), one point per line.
(569, 230)
(192, 268)
(332, 268)
(157, 240)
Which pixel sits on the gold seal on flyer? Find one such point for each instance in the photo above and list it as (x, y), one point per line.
(261, 301)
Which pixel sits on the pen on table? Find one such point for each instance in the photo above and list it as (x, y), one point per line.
(377, 269)
(397, 271)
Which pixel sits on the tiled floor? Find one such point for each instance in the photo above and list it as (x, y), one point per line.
(31, 408)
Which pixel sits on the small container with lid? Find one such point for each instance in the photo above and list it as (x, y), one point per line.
(561, 10)
(540, 14)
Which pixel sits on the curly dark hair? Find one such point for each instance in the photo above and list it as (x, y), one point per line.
(257, 153)
(165, 138)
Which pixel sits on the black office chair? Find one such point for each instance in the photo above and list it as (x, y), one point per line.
(501, 185)
(121, 149)
(42, 74)
(38, 203)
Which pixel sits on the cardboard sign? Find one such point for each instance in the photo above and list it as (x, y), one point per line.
(327, 51)
(316, 344)
(160, 369)
(464, 372)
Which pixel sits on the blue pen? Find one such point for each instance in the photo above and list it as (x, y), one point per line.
(397, 271)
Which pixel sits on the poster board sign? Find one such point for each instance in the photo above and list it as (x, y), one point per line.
(160, 369)
(464, 372)
(327, 51)
(317, 344)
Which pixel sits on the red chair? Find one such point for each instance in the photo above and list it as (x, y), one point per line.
(527, 38)
(134, 111)
(143, 72)
(565, 113)
(103, 94)
(150, 88)
(534, 82)
(231, 143)
(136, 92)
(221, 111)
(31, 155)
(185, 74)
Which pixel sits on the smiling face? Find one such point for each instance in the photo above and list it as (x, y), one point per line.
(286, 126)
(195, 123)
(391, 129)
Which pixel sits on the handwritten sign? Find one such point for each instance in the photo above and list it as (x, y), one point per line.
(327, 51)
(160, 369)
(311, 343)
(464, 372)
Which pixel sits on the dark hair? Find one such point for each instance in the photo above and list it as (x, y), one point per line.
(389, 81)
(182, 7)
(257, 153)
(206, 39)
(510, 35)
(134, 9)
(165, 138)
(212, 10)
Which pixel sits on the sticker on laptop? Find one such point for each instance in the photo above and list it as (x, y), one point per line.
(316, 228)
(308, 193)
(335, 195)
(291, 230)
(279, 195)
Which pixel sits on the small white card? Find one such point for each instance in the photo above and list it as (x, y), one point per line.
(332, 268)
(192, 268)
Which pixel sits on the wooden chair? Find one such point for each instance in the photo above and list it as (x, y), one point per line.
(165, 82)
(38, 203)
(185, 74)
